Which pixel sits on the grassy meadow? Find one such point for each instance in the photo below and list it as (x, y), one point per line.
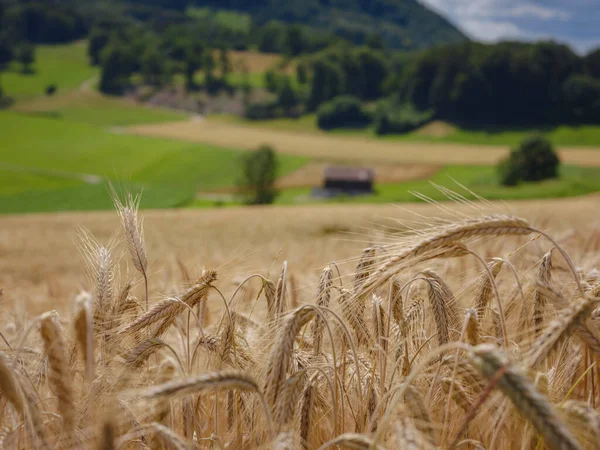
(50, 164)
(62, 150)
(65, 66)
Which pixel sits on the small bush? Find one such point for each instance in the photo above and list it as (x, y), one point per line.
(391, 118)
(343, 112)
(51, 89)
(263, 110)
(534, 160)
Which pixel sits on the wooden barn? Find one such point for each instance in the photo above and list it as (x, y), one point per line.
(347, 180)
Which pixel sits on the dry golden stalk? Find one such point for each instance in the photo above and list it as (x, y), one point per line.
(306, 412)
(485, 290)
(561, 329)
(496, 225)
(226, 379)
(585, 414)
(465, 370)
(134, 234)
(84, 331)
(281, 353)
(139, 355)
(460, 397)
(227, 341)
(443, 306)
(173, 441)
(418, 410)
(9, 383)
(472, 327)
(59, 376)
(122, 298)
(323, 297)
(352, 441)
(270, 291)
(107, 441)
(160, 317)
(281, 291)
(408, 436)
(286, 440)
(531, 404)
(288, 399)
(397, 304)
(363, 268)
(539, 301)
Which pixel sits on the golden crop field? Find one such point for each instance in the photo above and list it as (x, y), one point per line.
(454, 325)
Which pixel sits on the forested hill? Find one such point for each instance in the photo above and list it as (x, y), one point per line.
(402, 24)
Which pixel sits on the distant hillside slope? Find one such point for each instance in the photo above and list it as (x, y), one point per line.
(404, 24)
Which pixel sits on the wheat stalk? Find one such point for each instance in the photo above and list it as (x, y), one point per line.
(530, 403)
(59, 376)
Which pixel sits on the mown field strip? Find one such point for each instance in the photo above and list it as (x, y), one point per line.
(344, 148)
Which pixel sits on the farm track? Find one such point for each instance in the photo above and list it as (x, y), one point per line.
(345, 148)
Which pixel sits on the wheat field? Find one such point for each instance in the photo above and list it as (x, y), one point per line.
(454, 325)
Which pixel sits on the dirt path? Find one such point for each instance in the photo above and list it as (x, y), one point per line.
(344, 148)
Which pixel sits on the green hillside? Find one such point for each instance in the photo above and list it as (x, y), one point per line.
(402, 24)
(52, 165)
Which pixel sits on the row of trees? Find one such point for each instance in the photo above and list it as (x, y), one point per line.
(124, 52)
(475, 84)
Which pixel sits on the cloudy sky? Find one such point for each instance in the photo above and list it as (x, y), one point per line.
(575, 22)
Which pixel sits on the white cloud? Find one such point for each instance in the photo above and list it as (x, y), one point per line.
(530, 10)
(490, 31)
(571, 21)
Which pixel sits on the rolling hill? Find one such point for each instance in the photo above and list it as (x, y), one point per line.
(402, 24)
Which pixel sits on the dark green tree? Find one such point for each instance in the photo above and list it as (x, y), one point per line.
(26, 56)
(286, 96)
(270, 37)
(592, 63)
(154, 68)
(118, 64)
(224, 63)
(193, 61)
(534, 160)
(301, 73)
(208, 64)
(374, 42)
(6, 56)
(97, 40)
(294, 42)
(259, 173)
(345, 111)
(327, 82)
(581, 94)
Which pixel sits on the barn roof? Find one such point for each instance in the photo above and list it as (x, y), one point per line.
(349, 173)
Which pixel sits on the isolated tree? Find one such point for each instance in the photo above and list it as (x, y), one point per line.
(534, 160)
(259, 173)
(26, 56)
